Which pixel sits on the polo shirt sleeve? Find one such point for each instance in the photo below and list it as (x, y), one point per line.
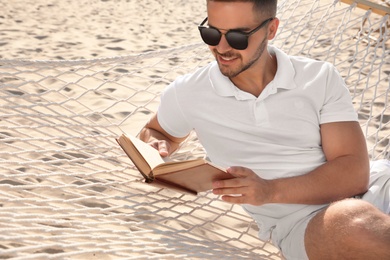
(337, 105)
(170, 115)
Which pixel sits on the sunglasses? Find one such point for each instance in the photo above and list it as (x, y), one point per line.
(237, 39)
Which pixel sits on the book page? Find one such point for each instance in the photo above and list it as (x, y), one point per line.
(151, 155)
(175, 166)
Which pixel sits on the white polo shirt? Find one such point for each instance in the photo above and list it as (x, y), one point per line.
(276, 134)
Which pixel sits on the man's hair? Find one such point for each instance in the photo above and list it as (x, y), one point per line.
(261, 7)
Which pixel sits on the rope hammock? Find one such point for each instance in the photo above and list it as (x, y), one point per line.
(67, 191)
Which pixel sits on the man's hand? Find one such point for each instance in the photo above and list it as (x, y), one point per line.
(161, 146)
(344, 174)
(157, 137)
(246, 188)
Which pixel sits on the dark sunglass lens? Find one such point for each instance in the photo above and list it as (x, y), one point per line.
(210, 36)
(237, 40)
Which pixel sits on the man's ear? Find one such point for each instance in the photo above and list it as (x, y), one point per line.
(273, 28)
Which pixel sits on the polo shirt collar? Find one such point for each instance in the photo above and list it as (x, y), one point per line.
(223, 86)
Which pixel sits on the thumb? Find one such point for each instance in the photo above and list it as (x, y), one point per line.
(163, 149)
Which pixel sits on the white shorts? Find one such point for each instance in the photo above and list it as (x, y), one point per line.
(293, 246)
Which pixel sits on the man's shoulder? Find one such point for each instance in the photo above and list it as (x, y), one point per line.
(308, 61)
(300, 64)
(196, 79)
(309, 66)
(198, 74)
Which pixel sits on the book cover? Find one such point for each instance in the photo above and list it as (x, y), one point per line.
(191, 176)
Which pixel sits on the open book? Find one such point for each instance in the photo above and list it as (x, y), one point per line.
(191, 176)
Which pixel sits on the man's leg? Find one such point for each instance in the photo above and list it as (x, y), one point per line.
(348, 229)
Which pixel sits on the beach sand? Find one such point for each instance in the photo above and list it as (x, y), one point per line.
(66, 189)
(95, 28)
(48, 29)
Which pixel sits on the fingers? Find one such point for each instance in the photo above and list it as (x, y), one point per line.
(238, 199)
(245, 188)
(161, 146)
(231, 189)
(239, 172)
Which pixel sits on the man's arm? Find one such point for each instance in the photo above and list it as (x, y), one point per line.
(345, 174)
(158, 138)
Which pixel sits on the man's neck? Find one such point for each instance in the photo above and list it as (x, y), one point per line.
(255, 79)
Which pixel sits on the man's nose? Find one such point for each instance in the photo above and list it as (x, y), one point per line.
(223, 45)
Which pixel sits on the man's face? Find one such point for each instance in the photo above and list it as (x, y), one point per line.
(226, 16)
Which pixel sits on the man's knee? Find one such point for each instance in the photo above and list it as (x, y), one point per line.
(348, 227)
(356, 219)
(347, 221)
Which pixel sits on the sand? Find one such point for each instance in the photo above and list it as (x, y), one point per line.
(66, 189)
(95, 28)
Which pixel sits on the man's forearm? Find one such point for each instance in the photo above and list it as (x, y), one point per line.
(159, 141)
(158, 138)
(340, 178)
(148, 134)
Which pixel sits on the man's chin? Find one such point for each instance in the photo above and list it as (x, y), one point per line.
(228, 72)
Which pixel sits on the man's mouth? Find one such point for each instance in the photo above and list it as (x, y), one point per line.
(227, 58)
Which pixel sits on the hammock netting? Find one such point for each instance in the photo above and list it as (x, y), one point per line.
(67, 190)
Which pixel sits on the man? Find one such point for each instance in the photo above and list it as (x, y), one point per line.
(289, 126)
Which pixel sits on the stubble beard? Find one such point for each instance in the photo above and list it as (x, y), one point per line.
(233, 72)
